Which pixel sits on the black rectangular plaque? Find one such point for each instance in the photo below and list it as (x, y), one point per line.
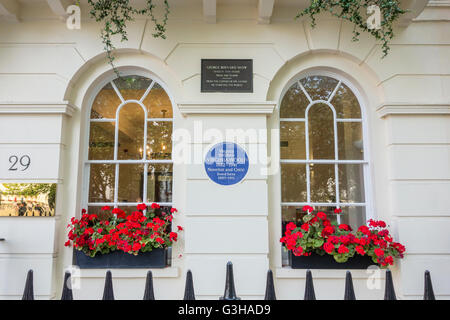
(227, 75)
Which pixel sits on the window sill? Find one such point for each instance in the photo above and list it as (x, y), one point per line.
(169, 272)
(289, 273)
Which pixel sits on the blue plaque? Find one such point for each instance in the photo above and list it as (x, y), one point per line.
(226, 163)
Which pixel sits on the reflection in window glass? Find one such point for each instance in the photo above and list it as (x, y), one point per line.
(132, 87)
(323, 183)
(293, 188)
(353, 216)
(131, 132)
(351, 183)
(99, 212)
(292, 140)
(101, 182)
(350, 141)
(101, 141)
(319, 87)
(27, 199)
(158, 103)
(105, 104)
(346, 103)
(294, 103)
(131, 183)
(321, 132)
(159, 140)
(159, 183)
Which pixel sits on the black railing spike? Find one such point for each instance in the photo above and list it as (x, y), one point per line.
(349, 293)
(67, 287)
(149, 293)
(189, 293)
(389, 291)
(28, 292)
(270, 288)
(230, 291)
(428, 293)
(108, 293)
(309, 287)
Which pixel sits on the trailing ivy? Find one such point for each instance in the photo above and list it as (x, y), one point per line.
(351, 10)
(115, 14)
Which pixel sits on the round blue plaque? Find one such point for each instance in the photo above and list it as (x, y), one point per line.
(226, 163)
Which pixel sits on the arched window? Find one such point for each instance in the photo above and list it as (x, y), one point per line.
(322, 155)
(130, 145)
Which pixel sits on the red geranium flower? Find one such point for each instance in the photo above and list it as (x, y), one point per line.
(328, 247)
(360, 250)
(342, 249)
(321, 215)
(141, 206)
(155, 206)
(379, 252)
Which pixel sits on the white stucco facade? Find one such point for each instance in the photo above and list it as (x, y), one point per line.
(49, 76)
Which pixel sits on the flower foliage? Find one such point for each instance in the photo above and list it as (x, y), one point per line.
(115, 14)
(351, 10)
(115, 230)
(318, 235)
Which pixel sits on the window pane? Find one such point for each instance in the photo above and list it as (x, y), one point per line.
(101, 140)
(293, 182)
(319, 87)
(353, 216)
(131, 132)
(131, 182)
(288, 214)
(99, 212)
(329, 212)
(132, 87)
(128, 209)
(158, 103)
(159, 140)
(105, 104)
(101, 182)
(345, 103)
(292, 140)
(323, 185)
(351, 183)
(159, 183)
(350, 141)
(321, 132)
(294, 103)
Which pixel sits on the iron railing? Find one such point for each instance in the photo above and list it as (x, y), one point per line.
(230, 291)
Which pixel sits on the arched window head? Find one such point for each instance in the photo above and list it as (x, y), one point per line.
(130, 145)
(322, 150)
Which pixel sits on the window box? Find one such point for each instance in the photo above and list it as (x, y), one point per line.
(316, 261)
(157, 258)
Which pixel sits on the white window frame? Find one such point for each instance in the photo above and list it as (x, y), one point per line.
(115, 161)
(368, 204)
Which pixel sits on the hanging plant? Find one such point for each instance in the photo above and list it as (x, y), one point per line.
(355, 12)
(115, 14)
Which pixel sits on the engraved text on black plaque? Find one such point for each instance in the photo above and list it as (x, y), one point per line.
(227, 75)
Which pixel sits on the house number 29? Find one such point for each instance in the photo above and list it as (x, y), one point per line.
(23, 162)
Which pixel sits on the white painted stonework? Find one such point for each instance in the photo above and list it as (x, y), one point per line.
(50, 74)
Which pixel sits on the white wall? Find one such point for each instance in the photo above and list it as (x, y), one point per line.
(406, 103)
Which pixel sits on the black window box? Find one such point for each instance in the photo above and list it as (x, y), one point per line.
(157, 258)
(316, 261)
